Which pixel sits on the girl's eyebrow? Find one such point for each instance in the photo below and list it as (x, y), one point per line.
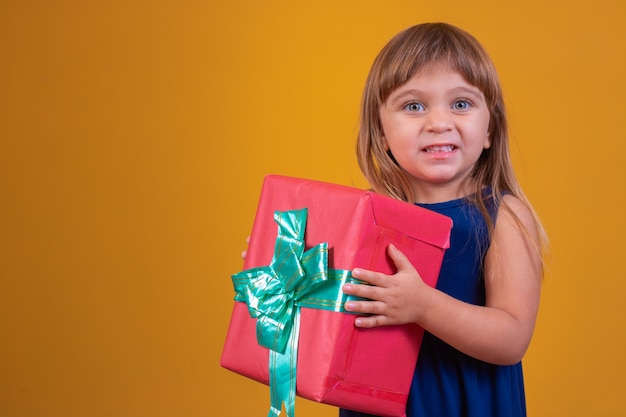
(413, 92)
(404, 94)
(474, 91)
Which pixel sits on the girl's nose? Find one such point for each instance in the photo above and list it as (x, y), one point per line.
(439, 120)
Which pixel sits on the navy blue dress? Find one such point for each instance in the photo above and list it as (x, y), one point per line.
(448, 383)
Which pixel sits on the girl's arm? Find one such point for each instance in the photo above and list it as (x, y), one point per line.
(498, 332)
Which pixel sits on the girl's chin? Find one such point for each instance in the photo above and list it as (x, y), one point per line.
(445, 184)
(438, 179)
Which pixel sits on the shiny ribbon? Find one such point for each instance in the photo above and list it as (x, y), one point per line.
(274, 294)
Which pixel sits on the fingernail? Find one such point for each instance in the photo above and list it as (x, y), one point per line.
(349, 306)
(358, 322)
(347, 288)
(356, 272)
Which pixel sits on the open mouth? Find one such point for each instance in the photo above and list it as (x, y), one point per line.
(439, 148)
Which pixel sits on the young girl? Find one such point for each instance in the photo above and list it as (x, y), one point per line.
(434, 133)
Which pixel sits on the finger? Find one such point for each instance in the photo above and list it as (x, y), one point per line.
(366, 307)
(364, 291)
(245, 252)
(371, 321)
(399, 259)
(374, 278)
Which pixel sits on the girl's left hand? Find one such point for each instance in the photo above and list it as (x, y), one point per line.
(395, 298)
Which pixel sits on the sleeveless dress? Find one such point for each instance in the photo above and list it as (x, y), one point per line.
(448, 383)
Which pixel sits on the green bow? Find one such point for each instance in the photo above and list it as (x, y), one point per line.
(275, 293)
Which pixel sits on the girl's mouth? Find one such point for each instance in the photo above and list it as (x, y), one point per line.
(439, 148)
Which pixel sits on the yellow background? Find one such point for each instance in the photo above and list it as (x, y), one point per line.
(134, 136)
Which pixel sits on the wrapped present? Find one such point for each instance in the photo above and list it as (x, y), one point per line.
(288, 327)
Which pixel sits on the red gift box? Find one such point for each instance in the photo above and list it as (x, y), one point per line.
(367, 370)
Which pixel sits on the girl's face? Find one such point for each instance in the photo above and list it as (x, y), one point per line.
(436, 126)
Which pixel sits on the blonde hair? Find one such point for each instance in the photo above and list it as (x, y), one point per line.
(409, 52)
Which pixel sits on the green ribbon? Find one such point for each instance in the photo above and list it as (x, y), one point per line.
(274, 294)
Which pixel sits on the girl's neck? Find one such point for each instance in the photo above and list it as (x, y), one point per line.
(440, 193)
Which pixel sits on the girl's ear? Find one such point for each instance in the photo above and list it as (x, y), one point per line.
(392, 157)
(487, 143)
(387, 150)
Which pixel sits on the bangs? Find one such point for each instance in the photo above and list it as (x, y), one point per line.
(426, 46)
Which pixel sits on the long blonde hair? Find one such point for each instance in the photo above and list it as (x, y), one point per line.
(408, 53)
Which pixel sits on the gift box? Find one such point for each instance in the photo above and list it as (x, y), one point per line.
(327, 358)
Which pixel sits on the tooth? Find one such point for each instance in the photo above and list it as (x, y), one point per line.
(440, 148)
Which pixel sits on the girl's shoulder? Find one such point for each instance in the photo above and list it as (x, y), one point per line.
(515, 208)
(517, 218)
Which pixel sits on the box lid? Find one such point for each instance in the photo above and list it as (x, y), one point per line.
(390, 215)
(387, 212)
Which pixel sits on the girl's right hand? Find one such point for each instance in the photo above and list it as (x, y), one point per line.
(245, 252)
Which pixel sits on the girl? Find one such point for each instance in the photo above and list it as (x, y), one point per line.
(434, 132)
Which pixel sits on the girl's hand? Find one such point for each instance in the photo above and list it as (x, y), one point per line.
(245, 251)
(395, 298)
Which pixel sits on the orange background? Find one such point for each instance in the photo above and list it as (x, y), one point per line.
(134, 136)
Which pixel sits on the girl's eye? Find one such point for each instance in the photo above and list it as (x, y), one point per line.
(414, 107)
(461, 105)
